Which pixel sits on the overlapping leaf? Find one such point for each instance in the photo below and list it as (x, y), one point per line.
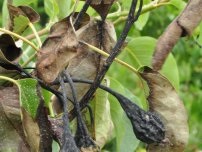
(58, 49)
(9, 53)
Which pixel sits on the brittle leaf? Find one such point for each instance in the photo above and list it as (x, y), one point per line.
(164, 100)
(58, 49)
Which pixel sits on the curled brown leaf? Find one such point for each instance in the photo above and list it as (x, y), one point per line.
(87, 63)
(102, 6)
(58, 49)
(164, 100)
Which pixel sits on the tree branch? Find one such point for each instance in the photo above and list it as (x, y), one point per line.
(115, 51)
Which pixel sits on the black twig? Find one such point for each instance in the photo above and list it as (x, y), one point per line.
(147, 125)
(81, 13)
(115, 51)
(82, 137)
(68, 141)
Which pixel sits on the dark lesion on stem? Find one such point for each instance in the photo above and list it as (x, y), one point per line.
(147, 125)
(132, 17)
(81, 13)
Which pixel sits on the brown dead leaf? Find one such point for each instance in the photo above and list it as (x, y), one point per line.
(164, 100)
(31, 131)
(7, 46)
(11, 132)
(23, 10)
(58, 49)
(86, 64)
(102, 6)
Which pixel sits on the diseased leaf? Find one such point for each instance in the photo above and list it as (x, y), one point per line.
(31, 130)
(20, 17)
(164, 100)
(10, 120)
(21, 23)
(86, 64)
(9, 52)
(30, 13)
(58, 49)
(102, 6)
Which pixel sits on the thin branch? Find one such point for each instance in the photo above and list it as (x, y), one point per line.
(115, 51)
(68, 140)
(81, 13)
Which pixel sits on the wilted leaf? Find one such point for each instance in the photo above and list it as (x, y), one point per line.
(10, 121)
(8, 50)
(9, 54)
(164, 100)
(102, 6)
(21, 23)
(58, 49)
(102, 116)
(31, 130)
(86, 64)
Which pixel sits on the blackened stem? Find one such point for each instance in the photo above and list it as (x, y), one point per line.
(68, 140)
(81, 13)
(81, 124)
(115, 51)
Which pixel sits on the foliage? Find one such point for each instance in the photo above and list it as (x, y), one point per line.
(182, 68)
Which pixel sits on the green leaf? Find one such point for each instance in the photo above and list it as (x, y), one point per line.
(29, 99)
(51, 8)
(47, 96)
(64, 8)
(5, 16)
(178, 4)
(140, 51)
(20, 24)
(125, 138)
(102, 117)
(142, 20)
(28, 95)
(23, 2)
